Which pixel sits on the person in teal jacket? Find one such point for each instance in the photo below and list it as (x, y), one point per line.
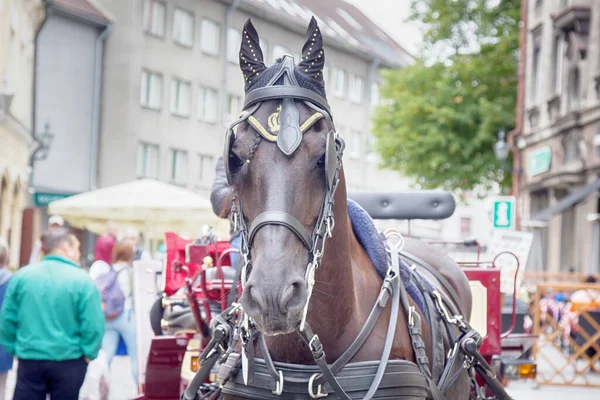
(6, 359)
(52, 321)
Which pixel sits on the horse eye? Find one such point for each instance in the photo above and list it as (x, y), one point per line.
(235, 163)
(321, 162)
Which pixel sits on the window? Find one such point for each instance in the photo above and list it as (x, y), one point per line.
(183, 27)
(536, 81)
(264, 46)
(207, 104)
(356, 144)
(372, 155)
(209, 37)
(234, 38)
(233, 107)
(279, 51)
(147, 161)
(151, 90)
(375, 99)
(205, 167)
(574, 100)
(179, 166)
(339, 82)
(154, 18)
(357, 85)
(465, 228)
(181, 96)
(557, 67)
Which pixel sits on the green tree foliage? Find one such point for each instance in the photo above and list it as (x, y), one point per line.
(439, 123)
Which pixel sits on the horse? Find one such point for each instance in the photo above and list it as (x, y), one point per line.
(304, 264)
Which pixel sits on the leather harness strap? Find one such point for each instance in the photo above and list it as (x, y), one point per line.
(456, 307)
(280, 218)
(280, 92)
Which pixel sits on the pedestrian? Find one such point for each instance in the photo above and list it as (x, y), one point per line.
(105, 243)
(52, 321)
(55, 221)
(220, 197)
(118, 307)
(6, 359)
(132, 237)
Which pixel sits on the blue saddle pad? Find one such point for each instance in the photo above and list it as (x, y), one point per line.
(370, 239)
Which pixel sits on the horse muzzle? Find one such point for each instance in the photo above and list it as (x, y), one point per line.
(276, 309)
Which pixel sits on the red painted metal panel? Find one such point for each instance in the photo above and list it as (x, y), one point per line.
(183, 252)
(163, 371)
(490, 278)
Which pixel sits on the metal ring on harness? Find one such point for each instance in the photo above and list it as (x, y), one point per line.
(311, 392)
(279, 385)
(394, 233)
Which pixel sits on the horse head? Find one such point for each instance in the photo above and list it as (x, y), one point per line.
(283, 158)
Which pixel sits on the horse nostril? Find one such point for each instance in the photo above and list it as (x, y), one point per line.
(254, 299)
(293, 297)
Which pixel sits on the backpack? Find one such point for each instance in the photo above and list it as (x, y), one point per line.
(113, 298)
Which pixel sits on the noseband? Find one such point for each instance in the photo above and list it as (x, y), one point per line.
(288, 140)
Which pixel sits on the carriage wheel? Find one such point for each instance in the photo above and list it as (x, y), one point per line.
(156, 314)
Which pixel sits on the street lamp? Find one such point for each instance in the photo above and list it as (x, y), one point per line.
(501, 148)
(42, 144)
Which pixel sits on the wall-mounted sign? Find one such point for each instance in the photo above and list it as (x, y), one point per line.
(504, 213)
(540, 161)
(43, 199)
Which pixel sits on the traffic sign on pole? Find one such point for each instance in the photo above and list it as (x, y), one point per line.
(504, 212)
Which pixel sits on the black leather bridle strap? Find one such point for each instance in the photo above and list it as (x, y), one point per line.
(456, 307)
(280, 218)
(285, 91)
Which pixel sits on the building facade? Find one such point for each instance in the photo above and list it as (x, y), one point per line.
(19, 23)
(68, 85)
(172, 83)
(559, 147)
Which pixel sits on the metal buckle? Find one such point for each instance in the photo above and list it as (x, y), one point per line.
(312, 340)
(411, 315)
(279, 385)
(311, 392)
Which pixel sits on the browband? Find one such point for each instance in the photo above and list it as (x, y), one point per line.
(280, 92)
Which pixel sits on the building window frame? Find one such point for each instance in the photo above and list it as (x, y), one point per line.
(339, 82)
(234, 37)
(203, 100)
(233, 107)
(178, 166)
(155, 25)
(178, 27)
(147, 89)
(357, 89)
(535, 89)
(147, 160)
(558, 53)
(210, 48)
(205, 166)
(180, 105)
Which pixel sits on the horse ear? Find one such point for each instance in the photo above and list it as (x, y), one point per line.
(251, 56)
(313, 57)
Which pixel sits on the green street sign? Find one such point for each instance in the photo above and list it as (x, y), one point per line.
(540, 161)
(43, 199)
(504, 212)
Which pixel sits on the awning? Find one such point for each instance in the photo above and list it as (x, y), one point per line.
(567, 201)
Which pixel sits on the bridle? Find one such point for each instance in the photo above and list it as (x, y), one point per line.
(288, 140)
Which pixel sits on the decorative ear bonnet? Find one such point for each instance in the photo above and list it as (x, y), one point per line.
(288, 83)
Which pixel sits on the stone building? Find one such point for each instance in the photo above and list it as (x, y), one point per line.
(172, 82)
(20, 21)
(559, 146)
